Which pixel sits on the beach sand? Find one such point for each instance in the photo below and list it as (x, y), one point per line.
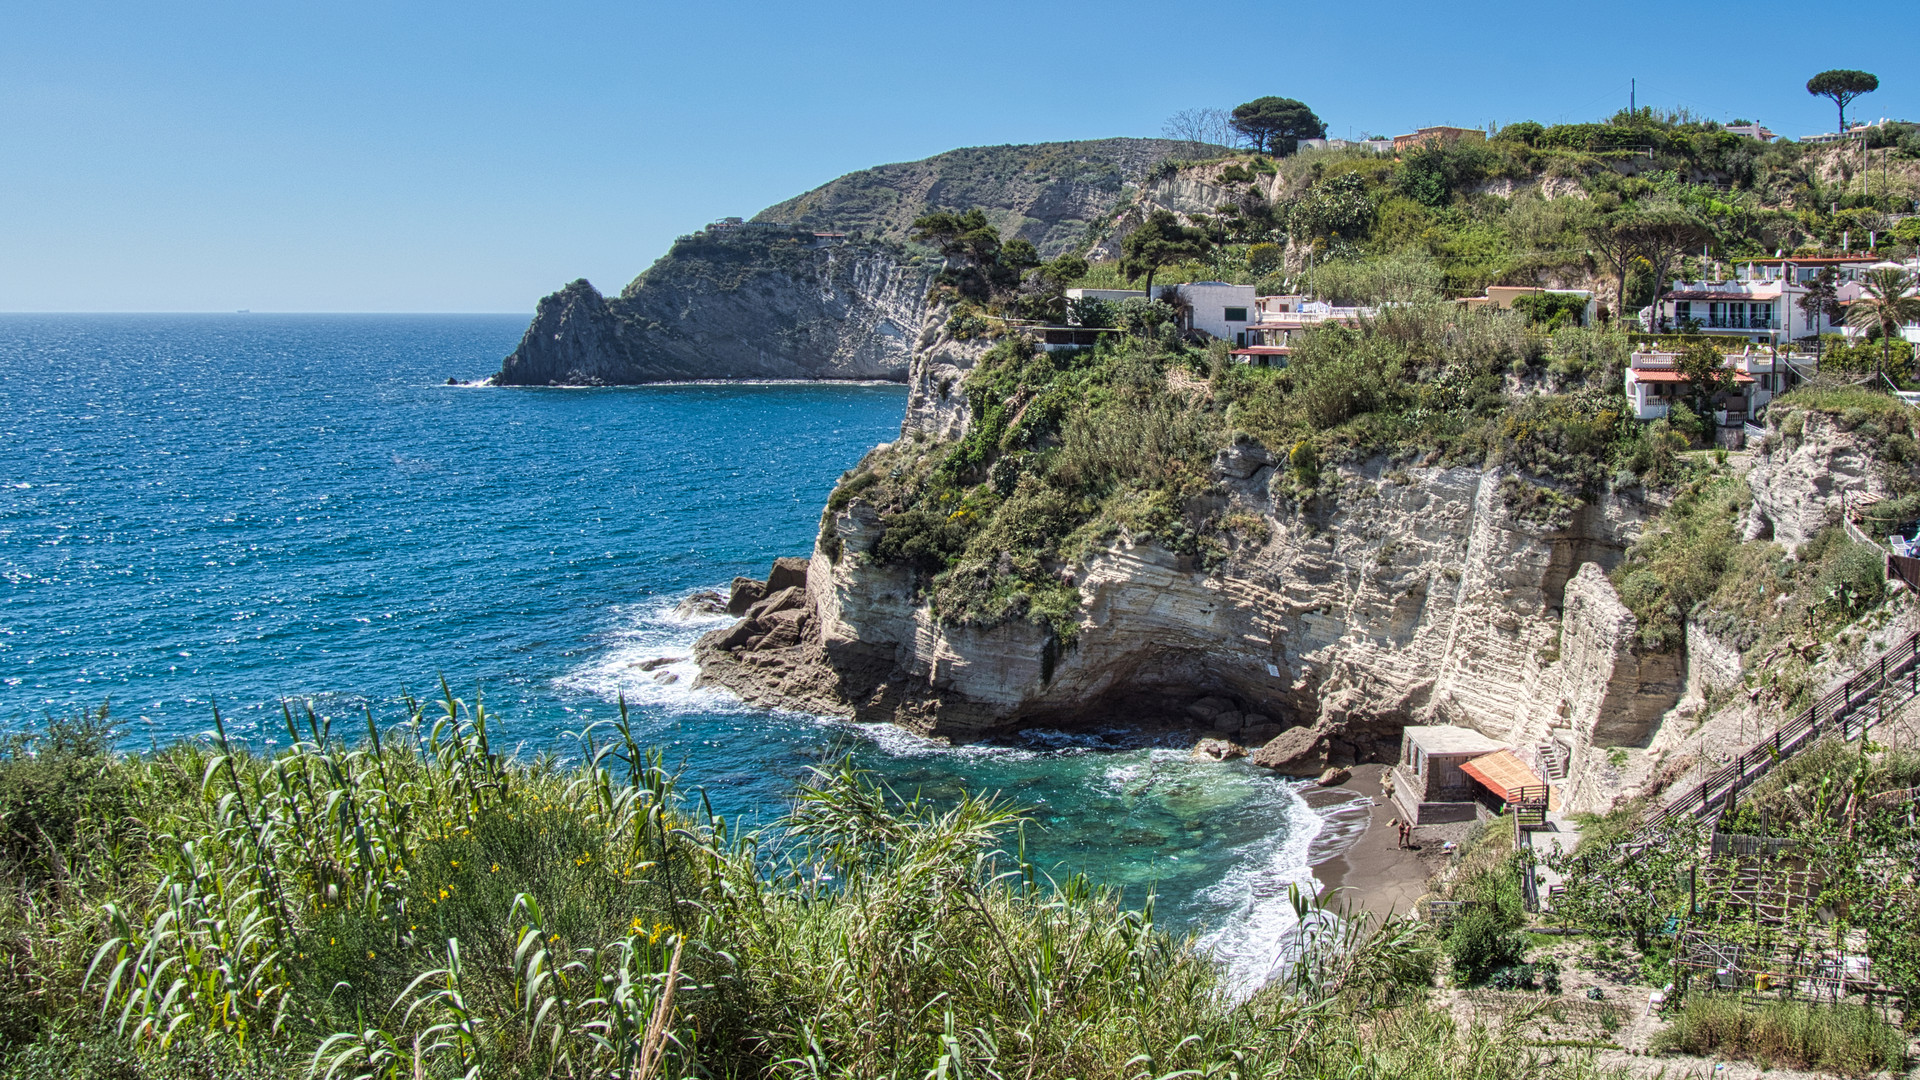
(1373, 873)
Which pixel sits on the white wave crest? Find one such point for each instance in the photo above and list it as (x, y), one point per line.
(648, 660)
(1253, 938)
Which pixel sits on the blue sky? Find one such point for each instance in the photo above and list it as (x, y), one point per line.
(400, 156)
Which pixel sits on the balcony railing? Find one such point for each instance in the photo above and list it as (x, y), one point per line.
(1732, 322)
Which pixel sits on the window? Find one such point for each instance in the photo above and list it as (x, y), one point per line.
(1236, 314)
(1682, 310)
(1760, 316)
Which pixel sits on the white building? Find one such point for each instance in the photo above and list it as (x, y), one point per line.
(1378, 146)
(1269, 338)
(1217, 308)
(1911, 331)
(1654, 384)
(1760, 302)
(1854, 131)
(1110, 295)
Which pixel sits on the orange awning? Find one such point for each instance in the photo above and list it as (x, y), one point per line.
(1664, 375)
(1502, 773)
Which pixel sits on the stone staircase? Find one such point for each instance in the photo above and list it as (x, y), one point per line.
(1552, 759)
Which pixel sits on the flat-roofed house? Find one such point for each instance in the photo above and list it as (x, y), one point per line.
(1218, 308)
(1277, 318)
(1429, 785)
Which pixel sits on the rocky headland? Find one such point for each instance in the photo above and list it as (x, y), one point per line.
(1404, 593)
(829, 284)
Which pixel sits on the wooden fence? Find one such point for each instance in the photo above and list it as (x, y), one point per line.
(1904, 570)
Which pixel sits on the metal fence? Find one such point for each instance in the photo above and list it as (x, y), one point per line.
(1894, 675)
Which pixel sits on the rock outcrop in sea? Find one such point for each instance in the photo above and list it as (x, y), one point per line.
(827, 285)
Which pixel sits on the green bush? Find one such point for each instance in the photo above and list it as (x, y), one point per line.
(59, 793)
(1680, 559)
(1484, 938)
(1853, 579)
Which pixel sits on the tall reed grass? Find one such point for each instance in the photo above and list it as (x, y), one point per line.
(415, 903)
(1849, 1040)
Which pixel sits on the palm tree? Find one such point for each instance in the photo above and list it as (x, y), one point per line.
(1888, 303)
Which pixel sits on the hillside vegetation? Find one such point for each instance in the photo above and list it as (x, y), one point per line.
(1613, 204)
(1068, 450)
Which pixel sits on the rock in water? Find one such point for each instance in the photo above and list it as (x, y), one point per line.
(1295, 751)
(701, 603)
(1334, 777)
(1217, 750)
(746, 593)
(787, 573)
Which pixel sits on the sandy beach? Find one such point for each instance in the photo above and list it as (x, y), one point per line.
(1373, 873)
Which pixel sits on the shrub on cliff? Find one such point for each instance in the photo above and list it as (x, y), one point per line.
(1678, 562)
(1063, 451)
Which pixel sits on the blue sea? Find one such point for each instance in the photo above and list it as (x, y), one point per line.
(237, 510)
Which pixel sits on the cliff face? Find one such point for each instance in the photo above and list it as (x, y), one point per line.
(1418, 598)
(735, 305)
(771, 299)
(1808, 470)
(1050, 194)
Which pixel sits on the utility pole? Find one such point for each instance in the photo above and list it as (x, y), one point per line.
(1633, 93)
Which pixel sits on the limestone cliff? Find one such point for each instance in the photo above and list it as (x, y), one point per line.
(1810, 466)
(825, 285)
(1415, 598)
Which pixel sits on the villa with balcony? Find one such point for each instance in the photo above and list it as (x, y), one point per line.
(1267, 340)
(1654, 383)
(1759, 302)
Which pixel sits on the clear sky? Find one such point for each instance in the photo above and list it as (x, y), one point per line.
(473, 156)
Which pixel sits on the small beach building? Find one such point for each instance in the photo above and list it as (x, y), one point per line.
(1429, 784)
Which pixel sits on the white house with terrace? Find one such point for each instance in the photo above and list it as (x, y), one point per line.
(1760, 300)
(1277, 318)
(1654, 383)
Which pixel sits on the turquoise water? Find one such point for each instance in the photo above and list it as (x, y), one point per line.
(240, 509)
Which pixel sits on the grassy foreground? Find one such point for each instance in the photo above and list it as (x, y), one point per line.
(417, 904)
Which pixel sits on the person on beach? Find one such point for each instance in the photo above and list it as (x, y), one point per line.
(1399, 832)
